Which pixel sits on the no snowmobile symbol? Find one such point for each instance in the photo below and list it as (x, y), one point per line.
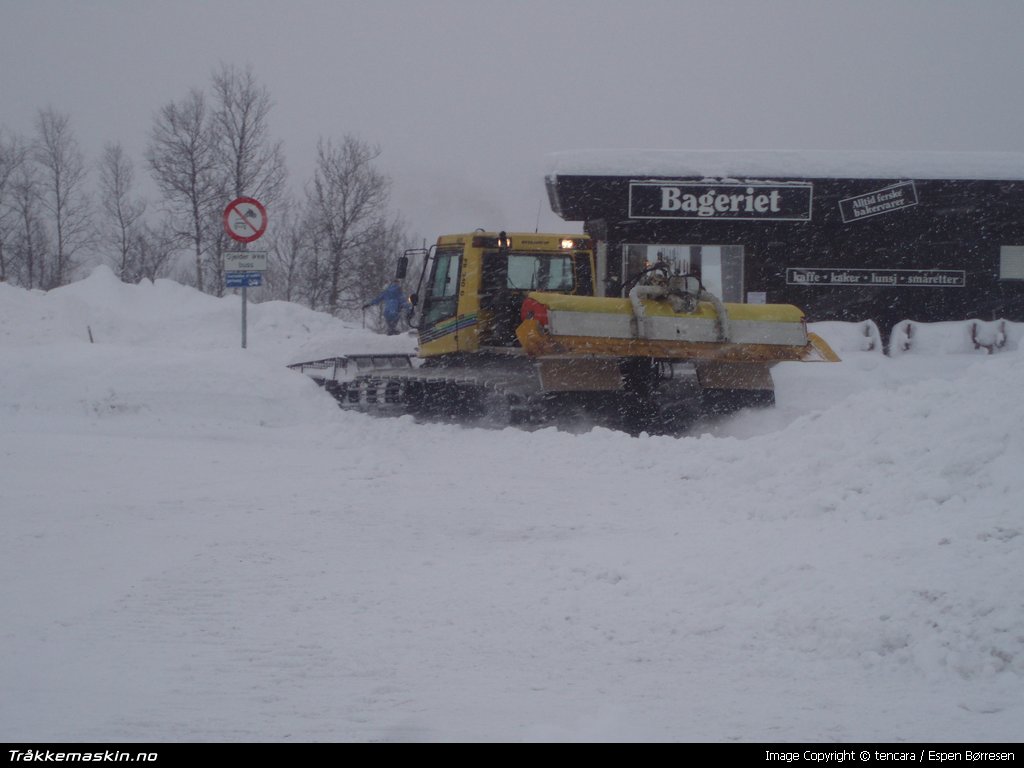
(245, 219)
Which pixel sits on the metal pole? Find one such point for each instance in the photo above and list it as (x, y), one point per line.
(244, 289)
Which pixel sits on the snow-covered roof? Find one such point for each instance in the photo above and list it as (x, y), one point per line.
(788, 164)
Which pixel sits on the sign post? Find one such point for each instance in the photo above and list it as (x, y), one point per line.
(245, 220)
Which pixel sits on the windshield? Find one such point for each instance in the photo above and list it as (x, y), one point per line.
(540, 272)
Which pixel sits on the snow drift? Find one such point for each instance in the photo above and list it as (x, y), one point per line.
(200, 546)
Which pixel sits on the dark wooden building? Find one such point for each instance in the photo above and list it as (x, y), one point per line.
(843, 235)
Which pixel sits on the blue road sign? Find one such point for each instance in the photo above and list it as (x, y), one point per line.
(243, 279)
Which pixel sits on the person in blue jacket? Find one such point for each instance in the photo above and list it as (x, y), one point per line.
(395, 303)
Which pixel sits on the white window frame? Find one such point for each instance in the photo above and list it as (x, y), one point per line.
(1011, 262)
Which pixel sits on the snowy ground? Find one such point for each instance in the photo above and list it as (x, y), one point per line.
(198, 545)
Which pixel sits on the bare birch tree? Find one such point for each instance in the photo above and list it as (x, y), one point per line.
(122, 213)
(63, 191)
(251, 162)
(376, 259)
(30, 241)
(347, 199)
(315, 274)
(182, 159)
(288, 245)
(12, 158)
(156, 250)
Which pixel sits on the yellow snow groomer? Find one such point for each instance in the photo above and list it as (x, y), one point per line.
(510, 330)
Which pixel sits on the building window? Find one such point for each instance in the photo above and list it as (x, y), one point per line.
(720, 267)
(1011, 262)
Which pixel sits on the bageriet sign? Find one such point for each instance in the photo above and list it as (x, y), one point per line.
(732, 200)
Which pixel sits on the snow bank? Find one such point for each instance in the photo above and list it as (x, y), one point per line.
(962, 337)
(850, 337)
(199, 545)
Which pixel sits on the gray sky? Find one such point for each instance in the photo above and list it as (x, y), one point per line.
(466, 97)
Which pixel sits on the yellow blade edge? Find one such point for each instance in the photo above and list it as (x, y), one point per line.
(818, 351)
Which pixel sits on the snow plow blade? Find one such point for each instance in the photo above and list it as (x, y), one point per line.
(583, 326)
(820, 351)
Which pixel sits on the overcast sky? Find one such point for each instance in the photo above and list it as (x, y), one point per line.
(467, 97)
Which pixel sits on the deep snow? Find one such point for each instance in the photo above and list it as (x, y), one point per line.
(198, 545)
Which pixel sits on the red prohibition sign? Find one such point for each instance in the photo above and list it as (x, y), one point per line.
(245, 219)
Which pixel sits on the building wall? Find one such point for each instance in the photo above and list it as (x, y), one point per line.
(854, 249)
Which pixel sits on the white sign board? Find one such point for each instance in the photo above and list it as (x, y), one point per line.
(247, 261)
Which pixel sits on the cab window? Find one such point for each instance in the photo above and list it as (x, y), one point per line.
(443, 288)
(540, 272)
